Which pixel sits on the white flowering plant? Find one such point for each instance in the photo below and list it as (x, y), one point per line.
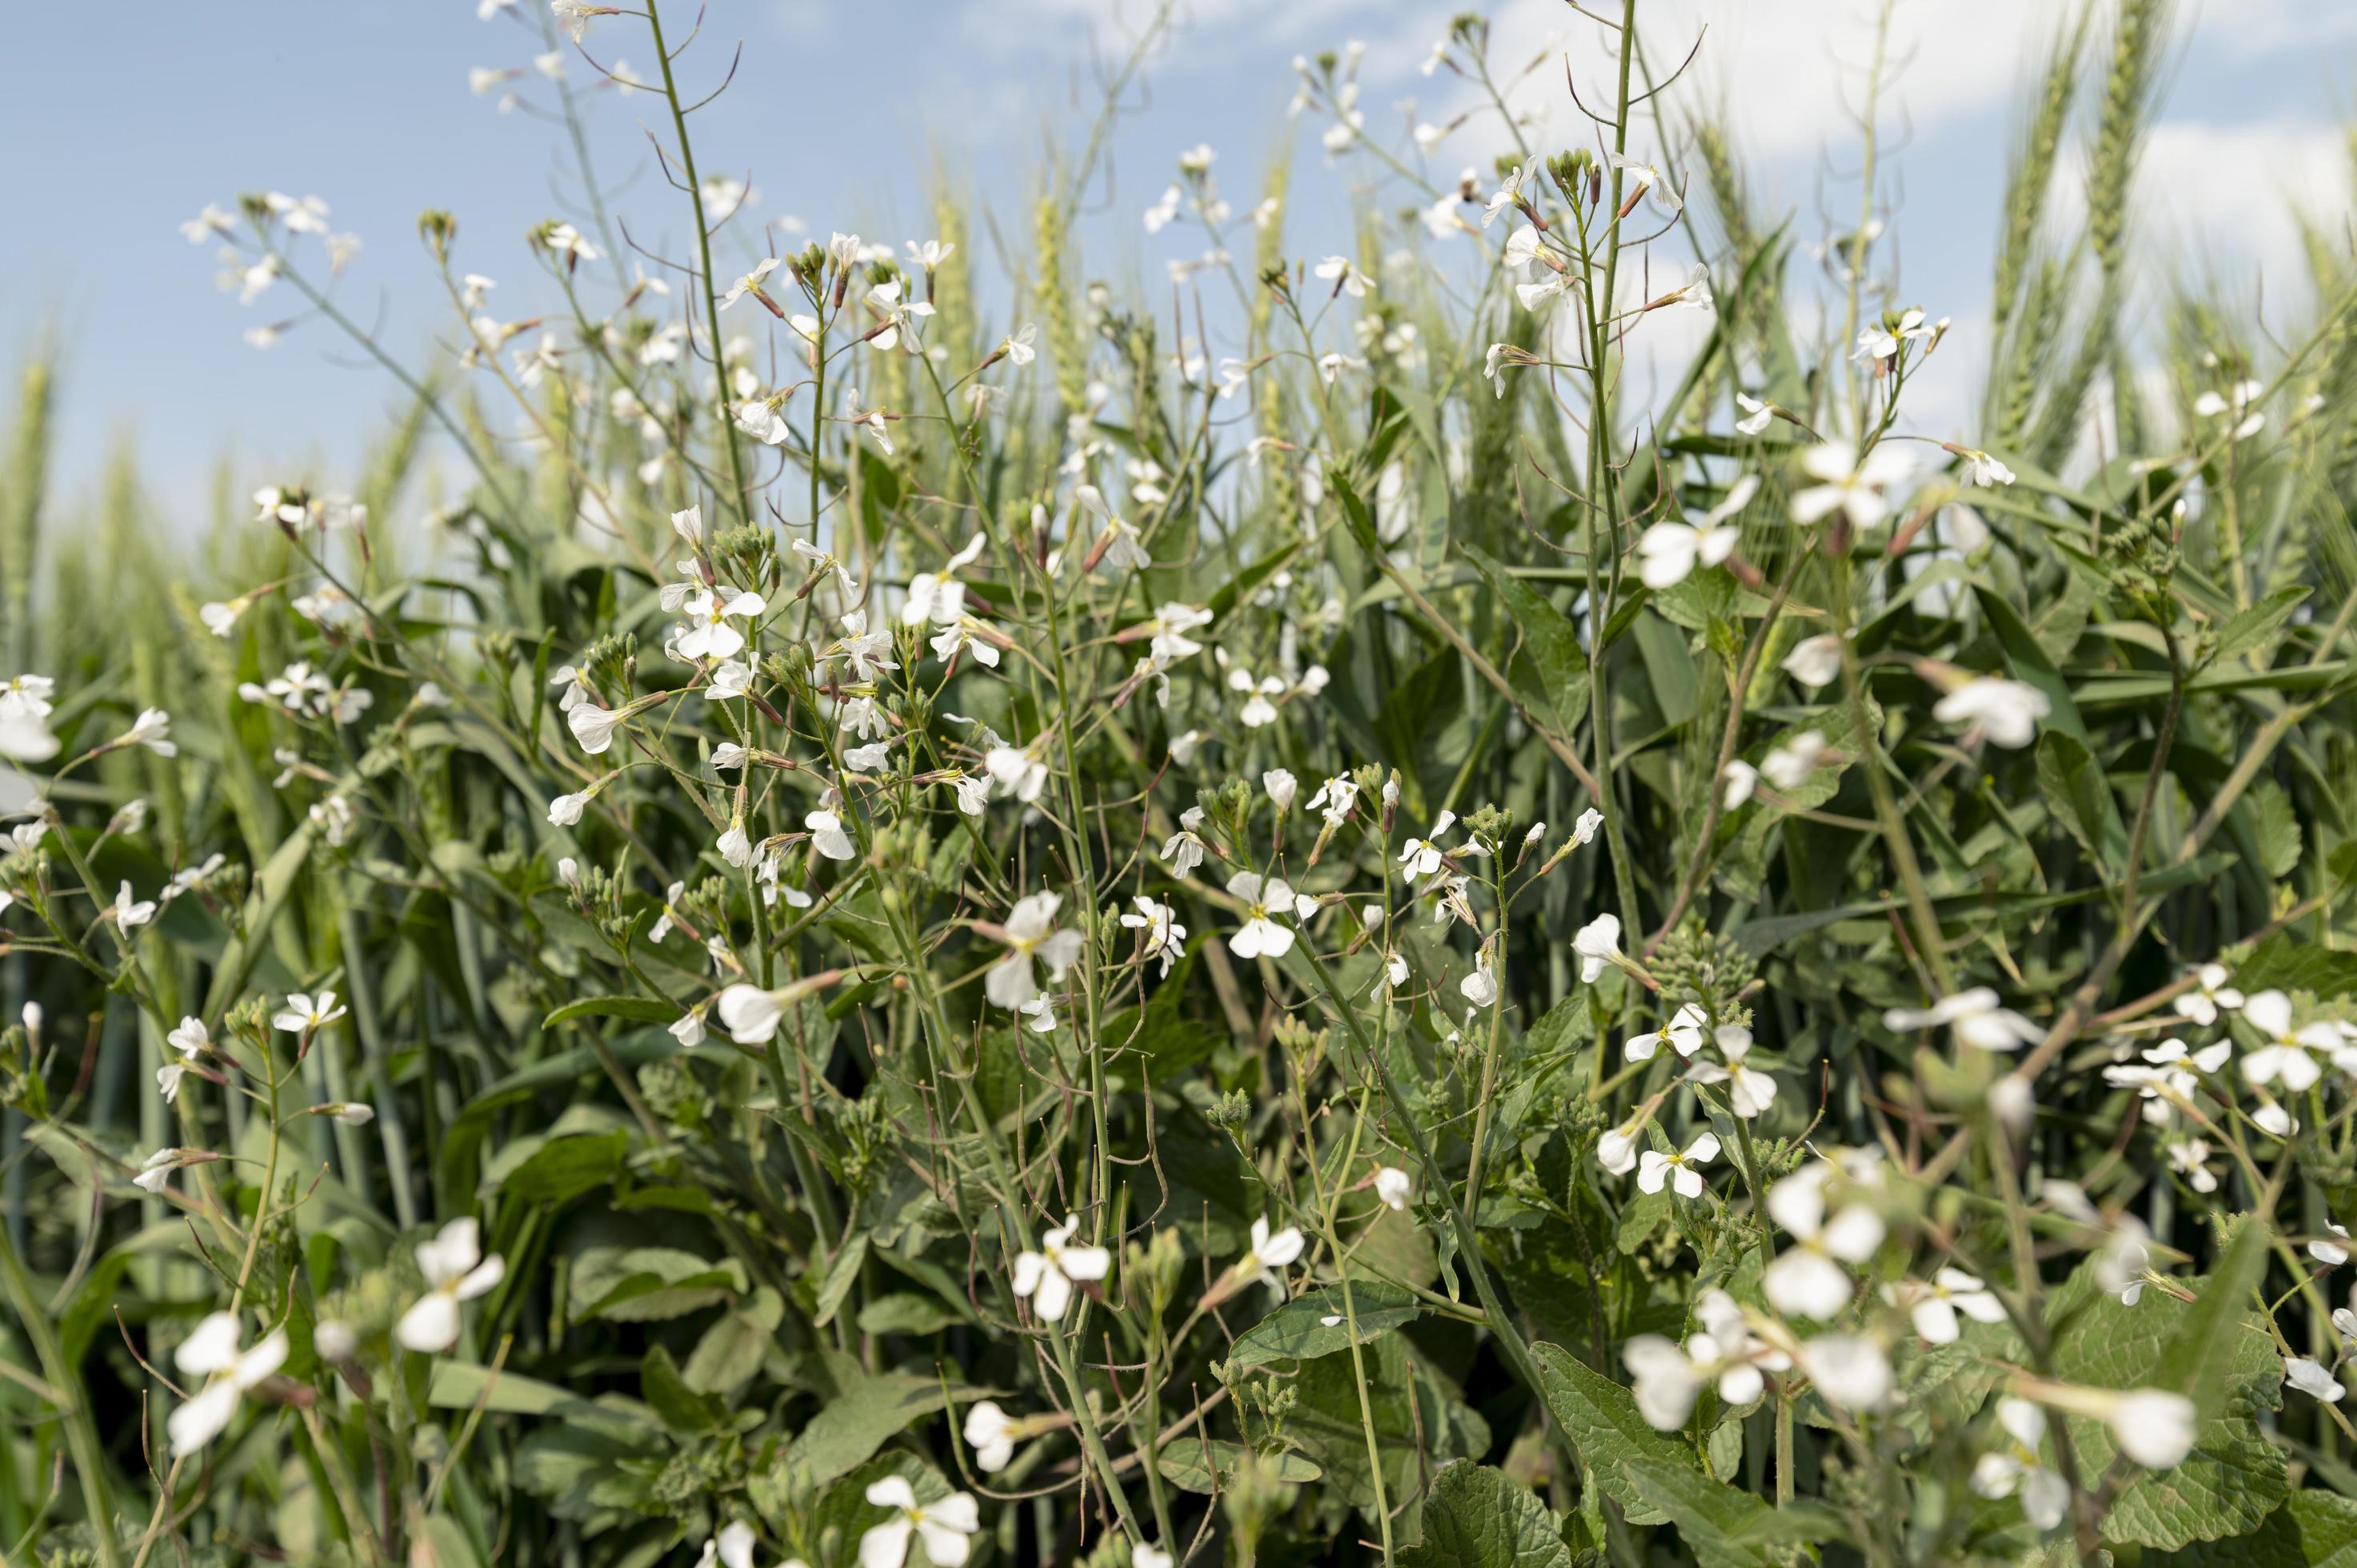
(928, 921)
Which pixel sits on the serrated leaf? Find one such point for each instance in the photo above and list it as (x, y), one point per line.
(1480, 1517)
(2247, 629)
(1600, 1418)
(2277, 826)
(2234, 1476)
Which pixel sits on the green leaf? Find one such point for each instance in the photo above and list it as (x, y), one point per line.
(1193, 1465)
(641, 1009)
(2276, 825)
(2235, 1476)
(1407, 1401)
(2080, 798)
(1725, 1527)
(857, 1422)
(733, 1349)
(2028, 663)
(682, 1408)
(1550, 640)
(842, 1274)
(2247, 629)
(1480, 1517)
(645, 1284)
(1298, 1329)
(906, 1312)
(2285, 963)
(1600, 1418)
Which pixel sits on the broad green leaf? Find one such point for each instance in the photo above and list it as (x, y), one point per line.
(857, 1422)
(733, 1349)
(1611, 1439)
(2235, 1476)
(1480, 1517)
(1299, 1328)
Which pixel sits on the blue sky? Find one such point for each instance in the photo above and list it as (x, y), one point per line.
(840, 113)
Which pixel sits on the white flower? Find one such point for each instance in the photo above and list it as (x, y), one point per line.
(1669, 552)
(1143, 1556)
(732, 1548)
(131, 912)
(828, 836)
(1750, 1091)
(2211, 995)
(151, 729)
(1933, 1306)
(1267, 1254)
(1681, 1171)
(1394, 1187)
(1756, 414)
(2236, 398)
(2312, 1379)
(1421, 856)
(1850, 1371)
(1282, 786)
(1584, 828)
(455, 1271)
(2005, 711)
(990, 1435)
(1046, 1276)
(594, 726)
(1334, 800)
(1346, 278)
(945, 1526)
(1974, 1017)
(2290, 1056)
(1665, 1379)
(1031, 932)
(750, 1014)
(1261, 935)
(211, 1354)
(1682, 1032)
(1017, 772)
(564, 811)
(27, 697)
(708, 633)
(1184, 849)
(1815, 662)
(1982, 469)
(2152, 1427)
(1597, 943)
(1849, 487)
(1643, 178)
(939, 596)
(1804, 1279)
(1165, 937)
(2045, 1495)
(1736, 783)
(155, 1170)
(1481, 987)
(303, 1013)
(750, 283)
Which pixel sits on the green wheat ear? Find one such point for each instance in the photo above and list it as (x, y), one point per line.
(22, 489)
(1055, 294)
